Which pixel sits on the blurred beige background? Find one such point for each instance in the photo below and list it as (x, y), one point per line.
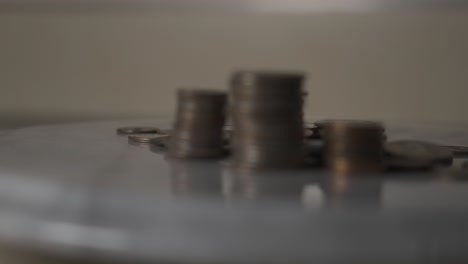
(58, 66)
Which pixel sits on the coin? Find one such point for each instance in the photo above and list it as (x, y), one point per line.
(136, 130)
(267, 117)
(198, 128)
(418, 151)
(160, 143)
(353, 148)
(143, 138)
(458, 150)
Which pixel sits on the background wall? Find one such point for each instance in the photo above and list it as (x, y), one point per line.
(58, 66)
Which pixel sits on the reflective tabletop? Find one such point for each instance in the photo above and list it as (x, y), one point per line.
(82, 190)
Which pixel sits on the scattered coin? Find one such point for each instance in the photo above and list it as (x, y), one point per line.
(136, 130)
(458, 150)
(413, 154)
(143, 138)
(160, 142)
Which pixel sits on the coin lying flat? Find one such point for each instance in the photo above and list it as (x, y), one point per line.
(136, 130)
(413, 154)
(144, 138)
(458, 150)
(160, 142)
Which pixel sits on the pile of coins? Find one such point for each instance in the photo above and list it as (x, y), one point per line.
(267, 119)
(353, 147)
(198, 128)
(268, 132)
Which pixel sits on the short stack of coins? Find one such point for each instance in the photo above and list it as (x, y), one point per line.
(267, 118)
(353, 148)
(198, 129)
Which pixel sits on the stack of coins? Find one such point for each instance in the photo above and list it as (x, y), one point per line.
(198, 129)
(266, 111)
(353, 148)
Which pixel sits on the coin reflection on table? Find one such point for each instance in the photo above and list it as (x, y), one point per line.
(347, 192)
(246, 185)
(195, 179)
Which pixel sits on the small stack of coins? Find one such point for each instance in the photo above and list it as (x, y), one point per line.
(353, 147)
(267, 119)
(198, 129)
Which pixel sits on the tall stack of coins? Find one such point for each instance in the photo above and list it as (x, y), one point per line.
(267, 118)
(198, 129)
(353, 147)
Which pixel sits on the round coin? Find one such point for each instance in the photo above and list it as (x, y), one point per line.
(458, 150)
(161, 141)
(420, 151)
(144, 138)
(136, 130)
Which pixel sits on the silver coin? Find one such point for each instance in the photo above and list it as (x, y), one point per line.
(144, 138)
(160, 142)
(198, 128)
(418, 151)
(136, 130)
(458, 150)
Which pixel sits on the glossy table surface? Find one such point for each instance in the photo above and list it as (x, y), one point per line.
(81, 190)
